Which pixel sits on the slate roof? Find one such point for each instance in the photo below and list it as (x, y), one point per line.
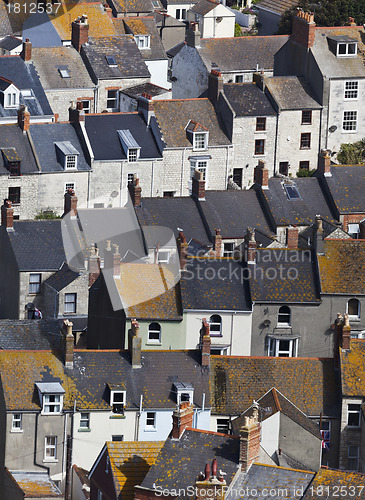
(11, 136)
(247, 99)
(180, 461)
(24, 76)
(5, 27)
(333, 479)
(292, 92)
(45, 135)
(147, 26)
(62, 278)
(295, 280)
(130, 462)
(353, 369)
(144, 88)
(277, 6)
(130, 63)
(240, 53)
(132, 6)
(311, 384)
(38, 245)
(38, 28)
(86, 382)
(49, 62)
(10, 42)
(223, 289)
(346, 186)
(204, 6)
(342, 267)
(30, 334)
(36, 484)
(277, 402)
(110, 148)
(174, 115)
(301, 211)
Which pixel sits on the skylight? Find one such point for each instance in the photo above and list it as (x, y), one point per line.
(111, 61)
(64, 73)
(292, 191)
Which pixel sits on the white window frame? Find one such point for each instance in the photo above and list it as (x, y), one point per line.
(68, 303)
(154, 331)
(85, 420)
(163, 256)
(70, 162)
(274, 349)
(35, 286)
(284, 323)
(347, 54)
(351, 90)
(17, 422)
(349, 119)
(133, 155)
(52, 404)
(87, 108)
(351, 456)
(112, 100)
(224, 422)
(201, 166)
(212, 323)
(11, 99)
(226, 252)
(354, 316)
(70, 185)
(142, 41)
(150, 426)
(200, 140)
(113, 401)
(50, 448)
(223, 351)
(353, 411)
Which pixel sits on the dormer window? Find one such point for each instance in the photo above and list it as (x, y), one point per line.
(142, 41)
(50, 396)
(130, 146)
(11, 160)
(346, 49)
(199, 135)
(184, 392)
(343, 46)
(9, 94)
(117, 399)
(200, 140)
(67, 155)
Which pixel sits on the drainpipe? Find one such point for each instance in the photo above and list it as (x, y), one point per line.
(136, 430)
(64, 448)
(35, 446)
(233, 315)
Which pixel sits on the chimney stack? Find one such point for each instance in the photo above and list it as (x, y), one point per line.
(198, 185)
(7, 216)
(23, 118)
(135, 192)
(250, 435)
(261, 175)
(70, 204)
(304, 28)
(212, 486)
(217, 243)
(135, 344)
(318, 236)
(69, 341)
(76, 113)
(193, 35)
(292, 234)
(205, 343)
(183, 250)
(352, 21)
(108, 11)
(182, 418)
(346, 333)
(145, 106)
(80, 32)
(259, 79)
(26, 53)
(324, 163)
(94, 265)
(251, 246)
(215, 85)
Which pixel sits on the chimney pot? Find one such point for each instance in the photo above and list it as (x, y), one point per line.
(214, 468)
(182, 418)
(304, 28)
(324, 163)
(93, 265)
(135, 344)
(207, 472)
(70, 204)
(346, 333)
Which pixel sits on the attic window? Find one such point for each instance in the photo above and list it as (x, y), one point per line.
(66, 155)
(50, 396)
(292, 191)
(184, 392)
(117, 400)
(346, 49)
(12, 160)
(111, 61)
(142, 41)
(130, 146)
(64, 73)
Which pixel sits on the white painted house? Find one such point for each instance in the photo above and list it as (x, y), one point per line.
(213, 18)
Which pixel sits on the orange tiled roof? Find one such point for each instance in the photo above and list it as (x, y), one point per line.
(136, 25)
(353, 369)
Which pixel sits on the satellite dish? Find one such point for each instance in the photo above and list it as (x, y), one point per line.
(114, 194)
(266, 323)
(333, 128)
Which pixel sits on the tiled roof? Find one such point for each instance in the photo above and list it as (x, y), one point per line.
(294, 272)
(49, 62)
(86, 382)
(353, 369)
(130, 63)
(132, 6)
(204, 6)
(240, 53)
(36, 484)
(173, 116)
(214, 285)
(180, 461)
(35, 334)
(38, 245)
(291, 92)
(309, 383)
(10, 42)
(59, 280)
(11, 136)
(342, 267)
(346, 186)
(277, 402)
(247, 99)
(144, 88)
(334, 480)
(130, 462)
(277, 6)
(147, 26)
(100, 25)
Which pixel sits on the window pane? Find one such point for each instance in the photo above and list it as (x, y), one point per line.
(260, 123)
(353, 307)
(349, 121)
(259, 146)
(305, 141)
(306, 117)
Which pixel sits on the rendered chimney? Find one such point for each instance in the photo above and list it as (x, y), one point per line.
(23, 118)
(198, 185)
(70, 204)
(218, 247)
(304, 28)
(135, 192)
(249, 442)
(205, 343)
(94, 265)
(346, 333)
(69, 341)
(215, 85)
(26, 53)
(183, 250)
(135, 344)
(145, 106)
(80, 32)
(251, 246)
(292, 234)
(318, 236)
(193, 35)
(259, 79)
(211, 486)
(362, 230)
(324, 163)
(261, 175)
(7, 216)
(182, 418)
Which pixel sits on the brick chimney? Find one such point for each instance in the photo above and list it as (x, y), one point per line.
(145, 106)
(346, 333)
(93, 265)
(324, 163)
(7, 216)
(250, 437)
(76, 113)
(259, 79)
(292, 234)
(251, 246)
(182, 418)
(304, 29)
(69, 341)
(108, 11)
(135, 192)
(135, 344)
(205, 343)
(198, 186)
(362, 230)
(352, 21)
(211, 485)
(70, 204)
(193, 35)
(23, 118)
(183, 250)
(261, 175)
(318, 235)
(215, 85)
(26, 53)
(218, 243)
(80, 32)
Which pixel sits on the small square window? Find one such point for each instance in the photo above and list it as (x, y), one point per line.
(163, 256)
(228, 249)
(14, 195)
(35, 283)
(69, 185)
(112, 99)
(132, 155)
(71, 162)
(238, 79)
(201, 166)
(353, 415)
(52, 403)
(86, 106)
(70, 303)
(353, 457)
(117, 437)
(260, 124)
(259, 146)
(151, 419)
(17, 423)
(50, 448)
(305, 140)
(304, 165)
(130, 179)
(351, 90)
(306, 117)
(84, 420)
(200, 140)
(223, 425)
